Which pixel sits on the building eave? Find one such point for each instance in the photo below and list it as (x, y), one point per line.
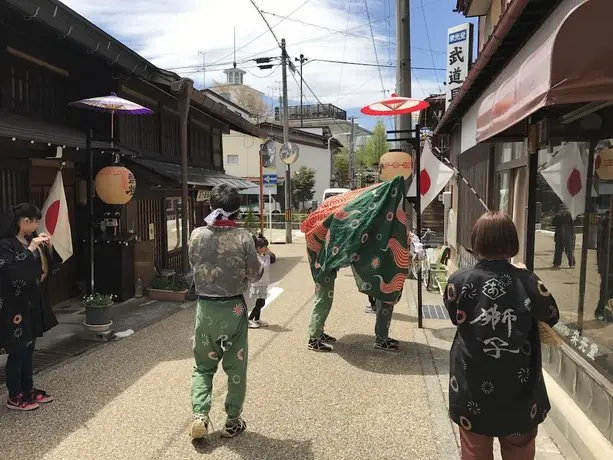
(518, 23)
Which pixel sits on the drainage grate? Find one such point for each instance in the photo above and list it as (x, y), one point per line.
(56, 354)
(434, 312)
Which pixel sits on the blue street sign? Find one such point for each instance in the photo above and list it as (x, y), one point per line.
(270, 179)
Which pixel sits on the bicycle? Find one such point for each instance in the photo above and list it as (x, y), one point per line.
(426, 263)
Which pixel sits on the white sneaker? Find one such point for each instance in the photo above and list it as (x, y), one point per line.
(261, 323)
(200, 427)
(253, 324)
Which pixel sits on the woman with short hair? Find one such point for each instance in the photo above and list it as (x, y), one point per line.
(496, 386)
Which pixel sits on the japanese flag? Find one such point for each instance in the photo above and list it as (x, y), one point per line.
(433, 177)
(566, 176)
(55, 220)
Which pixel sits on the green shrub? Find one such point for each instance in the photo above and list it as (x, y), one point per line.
(168, 284)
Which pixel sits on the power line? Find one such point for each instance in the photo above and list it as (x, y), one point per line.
(374, 45)
(269, 75)
(317, 26)
(266, 21)
(198, 68)
(262, 34)
(430, 43)
(322, 37)
(367, 64)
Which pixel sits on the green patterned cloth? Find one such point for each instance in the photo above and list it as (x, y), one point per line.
(367, 230)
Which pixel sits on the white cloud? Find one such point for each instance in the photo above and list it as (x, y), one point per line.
(171, 33)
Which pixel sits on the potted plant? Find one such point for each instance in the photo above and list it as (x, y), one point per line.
(168, 290)
(97, 311)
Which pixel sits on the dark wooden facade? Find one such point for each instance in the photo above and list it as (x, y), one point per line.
(40, 73)
(476, 166)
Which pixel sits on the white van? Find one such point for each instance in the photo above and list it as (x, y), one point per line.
(330, 192)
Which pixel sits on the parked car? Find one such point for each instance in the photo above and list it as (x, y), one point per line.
(330, 192)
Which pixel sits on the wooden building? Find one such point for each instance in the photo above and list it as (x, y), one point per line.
(51, 56)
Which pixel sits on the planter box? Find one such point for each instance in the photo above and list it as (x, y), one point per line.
(167, 296)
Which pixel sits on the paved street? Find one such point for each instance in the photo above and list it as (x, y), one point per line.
(130, 399)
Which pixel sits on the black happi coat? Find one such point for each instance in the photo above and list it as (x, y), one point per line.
(24, 315)
(496, 385)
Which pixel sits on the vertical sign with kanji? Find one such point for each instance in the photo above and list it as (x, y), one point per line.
(459, 57)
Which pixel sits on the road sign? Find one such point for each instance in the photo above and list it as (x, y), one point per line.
(270, 179)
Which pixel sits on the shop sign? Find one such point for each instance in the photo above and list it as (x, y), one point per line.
(203, 195)
(582, 344)
(604, 164)
(459, 58)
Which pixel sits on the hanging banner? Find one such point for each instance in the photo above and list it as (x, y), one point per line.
(459, 58)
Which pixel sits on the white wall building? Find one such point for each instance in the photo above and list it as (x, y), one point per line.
(242, 157)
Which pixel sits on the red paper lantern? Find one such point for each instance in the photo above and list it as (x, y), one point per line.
(393, 164)
(115, 185)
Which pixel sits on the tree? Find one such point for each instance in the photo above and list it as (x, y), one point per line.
(303, 184)
(341, 168)
(378, 144)
(250, 223)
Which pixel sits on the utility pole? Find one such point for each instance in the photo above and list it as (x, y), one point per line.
(302, 60)
(352, 155)
(403, 59)
(203, 54)
(288, 173)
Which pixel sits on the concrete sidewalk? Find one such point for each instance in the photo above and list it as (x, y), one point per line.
(130, 399)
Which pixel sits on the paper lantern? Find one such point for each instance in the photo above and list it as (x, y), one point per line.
(115, 185)
(604, 164)
(393, 164)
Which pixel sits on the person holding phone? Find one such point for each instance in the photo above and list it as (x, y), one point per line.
(24, 314)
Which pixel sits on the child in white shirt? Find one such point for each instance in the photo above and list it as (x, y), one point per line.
(259, 289)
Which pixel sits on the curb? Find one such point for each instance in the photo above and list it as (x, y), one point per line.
(575, 427)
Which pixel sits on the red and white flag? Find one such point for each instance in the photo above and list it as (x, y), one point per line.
(566, 175)
(433, 177)
(55, 219)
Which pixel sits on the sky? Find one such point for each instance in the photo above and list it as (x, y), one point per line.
(174, 35)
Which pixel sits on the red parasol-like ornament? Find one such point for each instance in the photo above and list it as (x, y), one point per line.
(395, 105)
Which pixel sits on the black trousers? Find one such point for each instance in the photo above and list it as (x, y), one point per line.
(373, 303)
(255, 313)
(567, 247)
(605, 294)
(19, 371)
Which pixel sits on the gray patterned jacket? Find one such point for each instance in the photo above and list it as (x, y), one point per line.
(224, 261)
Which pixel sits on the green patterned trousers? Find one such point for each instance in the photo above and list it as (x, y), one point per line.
(220, 336)
(324, 296)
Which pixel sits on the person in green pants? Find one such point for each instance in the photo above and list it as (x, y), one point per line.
(224, 261)
(324, 296)
(366, 230)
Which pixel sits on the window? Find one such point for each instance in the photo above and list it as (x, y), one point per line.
(505, 194)
(573, 250)
(231, 159)
(173, 223)
(217, 150)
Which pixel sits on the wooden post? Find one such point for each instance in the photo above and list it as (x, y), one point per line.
(184, 88)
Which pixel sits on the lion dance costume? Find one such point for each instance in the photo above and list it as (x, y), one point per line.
(366, 229)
